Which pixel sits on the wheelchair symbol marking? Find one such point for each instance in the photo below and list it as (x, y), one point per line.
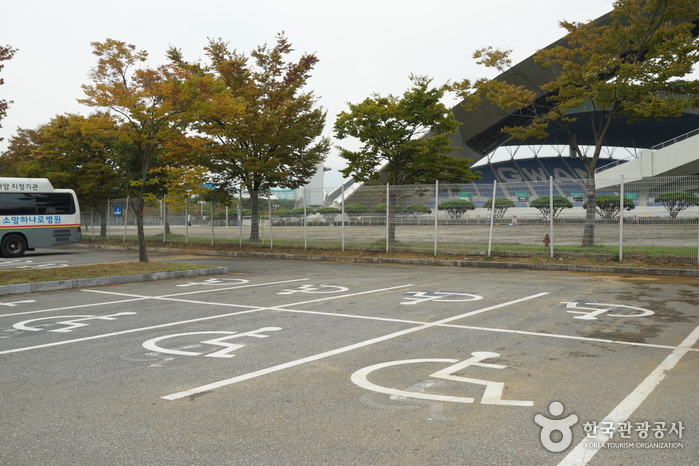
(596, 311)
(228, 348)
(492, 394)
(15, 303)
(441, 296)
(217, 282)
(75, 322)
(316, 289)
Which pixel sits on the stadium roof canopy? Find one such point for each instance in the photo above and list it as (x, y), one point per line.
(481, 129)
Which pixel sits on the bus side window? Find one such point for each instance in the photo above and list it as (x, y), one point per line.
(54, 204)
(17, 204)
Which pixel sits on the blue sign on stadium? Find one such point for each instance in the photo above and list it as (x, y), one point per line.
(118, 210)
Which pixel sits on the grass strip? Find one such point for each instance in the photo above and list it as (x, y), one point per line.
(12, 277)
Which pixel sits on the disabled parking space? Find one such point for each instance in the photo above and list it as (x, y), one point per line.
(292, 363)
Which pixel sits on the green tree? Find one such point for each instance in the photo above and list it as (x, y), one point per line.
(150, 105)
(609, 205)
(408, 135)
(6, 53)
(418, 209)
(20, 152)
(300, 211)
(633, 65)
(75, 152)
(264, 129)
(456, 207)
(543, 203)
(501, 206)
(677, 201)
(355, 209)
(381, 208)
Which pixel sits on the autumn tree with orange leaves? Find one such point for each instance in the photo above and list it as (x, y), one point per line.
(264, 129)
(150, 106)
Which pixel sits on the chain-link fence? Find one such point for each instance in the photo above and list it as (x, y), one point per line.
(658, 219)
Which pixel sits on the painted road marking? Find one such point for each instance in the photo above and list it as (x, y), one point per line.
(217, 282)
(491, 396)
(596, 311)
(75, 322)
(582, 454)
(45, 265)
(31, 264)
(269, 370)
(221, 341)
(250, 309)
(441, 296)
(13, 304)
(316, 289)
(142, 298)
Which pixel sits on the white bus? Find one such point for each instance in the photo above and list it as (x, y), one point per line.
(35, 215)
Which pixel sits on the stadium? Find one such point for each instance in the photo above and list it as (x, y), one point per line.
(650, 149)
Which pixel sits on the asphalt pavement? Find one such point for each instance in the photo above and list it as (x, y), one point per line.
(288, 362)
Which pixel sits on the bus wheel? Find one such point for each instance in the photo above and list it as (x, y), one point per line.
(13, 246)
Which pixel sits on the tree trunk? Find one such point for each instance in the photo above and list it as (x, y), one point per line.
(102, 212)
(588, 239)
(137, 207)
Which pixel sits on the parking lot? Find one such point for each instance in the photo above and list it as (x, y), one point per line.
(294, 362)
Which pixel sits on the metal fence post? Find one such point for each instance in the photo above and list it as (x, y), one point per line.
(162, 214)
(388, 212)
(343, 217)
(492, 220)
(551, 215)
(107, 219)
(305, 219)
(126, 217)
(212, 223)
(269, 210)
(240, 215)
(621, 218)
(436, 214)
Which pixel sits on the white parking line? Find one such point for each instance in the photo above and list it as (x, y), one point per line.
(201, 319)
(344, 349)
(581, 454)
(135, 297)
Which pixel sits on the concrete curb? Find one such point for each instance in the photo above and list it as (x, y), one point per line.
(430, 262)
(103, 281)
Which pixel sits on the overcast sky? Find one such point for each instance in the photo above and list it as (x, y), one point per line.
(363, 46)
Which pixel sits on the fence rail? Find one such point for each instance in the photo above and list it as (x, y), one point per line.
(648, 229)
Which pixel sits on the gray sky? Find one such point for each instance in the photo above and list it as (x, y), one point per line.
(363, 46)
